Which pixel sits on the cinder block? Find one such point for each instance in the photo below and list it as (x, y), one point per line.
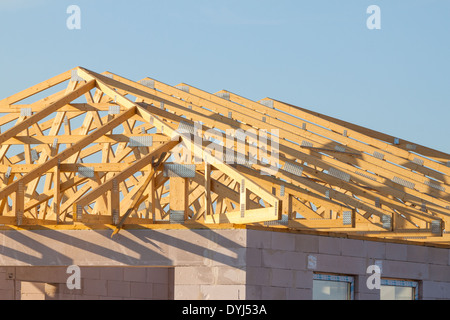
(368, 296)
(188, 292)
(303, 279)
(330, 245)
(395, 251)
(141, 290)
(136, 274)
(306, 243)
(259, 239)
(223, 292)
(253, 292)
(405, 270)
(258, 276)
(439, 273)
(194, 275)
(341, 264)
(229, 275)
(158, 275)
(90, 272)
(235, 257)
(376, 249)
(435, 290)
(94, 287)
(118, 288)
(42, 274)
(274, 258)
(111, 273)
(283, 241)
(438, 256)
(6, 284)
(282, 278)
(353, 248)
(6, 294)
(417, 253)
(233, 238)
(299, 294)
(296, 260)
(254, 257)
(160, 291)
(273, 293)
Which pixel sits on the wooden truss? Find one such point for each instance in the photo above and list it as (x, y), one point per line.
(89, 148)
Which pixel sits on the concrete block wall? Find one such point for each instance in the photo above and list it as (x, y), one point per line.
(277, 265)
(223, 264)
(97, 283)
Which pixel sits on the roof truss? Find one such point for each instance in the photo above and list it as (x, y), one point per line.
(106, 150)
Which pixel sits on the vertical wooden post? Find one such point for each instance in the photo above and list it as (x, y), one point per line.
(243, 198)
(179, 195)
(57, 194)
(208, 204)
(19, 202)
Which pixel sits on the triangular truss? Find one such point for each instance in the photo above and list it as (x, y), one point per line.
(88, 148)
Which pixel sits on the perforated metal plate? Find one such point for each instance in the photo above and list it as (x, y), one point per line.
(282, 190)
(179, 170)
(75, 77)
(424, 207)
(141, 141)
(267, 103)
(34, 155)
(148, 83)
(345, 133)
(293, 168)
(347, 218)
(328, 194)
(8, 172)
(183, 88)
(403, 182)
(411, 146)
(185, 127)
(436, 226)
(377, 203)
(378, 155)
(25, 112)
(114, 109)
(387, 222)
(339, 174)
(87, 172)
(435, 185)
(55, 143)
(223, 95)
(339, 148)
(363, 174)
(307, 144)
(176, 216)
(418, 161)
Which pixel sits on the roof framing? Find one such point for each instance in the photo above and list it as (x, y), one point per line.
(101, 150)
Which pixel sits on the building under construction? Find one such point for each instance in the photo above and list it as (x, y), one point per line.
(170, 192)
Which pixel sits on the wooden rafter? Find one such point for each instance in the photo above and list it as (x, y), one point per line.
(84, 155)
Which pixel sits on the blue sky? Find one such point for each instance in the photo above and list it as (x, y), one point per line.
(316, 54)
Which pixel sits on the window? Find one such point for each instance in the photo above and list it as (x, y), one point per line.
(399, 290)
(332, 287)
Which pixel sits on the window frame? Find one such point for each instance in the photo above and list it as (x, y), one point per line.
(402, 283)
(338, 278)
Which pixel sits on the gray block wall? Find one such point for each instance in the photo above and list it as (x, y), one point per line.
(277, 265)
(223, 264)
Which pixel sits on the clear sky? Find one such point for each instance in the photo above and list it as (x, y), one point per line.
(318, 54)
